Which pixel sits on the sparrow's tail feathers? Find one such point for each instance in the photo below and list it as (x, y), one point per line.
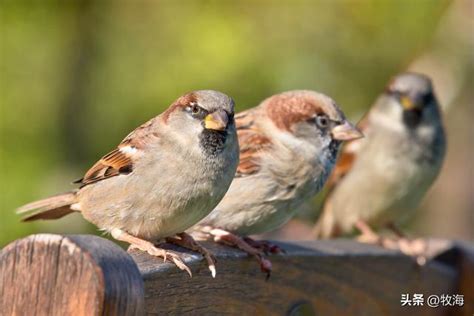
(50, 208)
(326, 226)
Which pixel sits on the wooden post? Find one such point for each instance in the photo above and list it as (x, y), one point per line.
(68, 275)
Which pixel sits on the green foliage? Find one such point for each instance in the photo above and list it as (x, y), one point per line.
(75, 78)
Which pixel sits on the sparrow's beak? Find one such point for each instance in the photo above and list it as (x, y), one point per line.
(407, 103)
(216, 120)
(346, 131)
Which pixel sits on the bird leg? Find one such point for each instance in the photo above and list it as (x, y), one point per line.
(264, 245)
(187, 241)
(151, 249)
(229, 239)
(397, 231)
(367, 234)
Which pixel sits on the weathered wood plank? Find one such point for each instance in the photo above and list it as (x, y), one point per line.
(461, 256)
(325, 277)
(87, 275)
(68, 275)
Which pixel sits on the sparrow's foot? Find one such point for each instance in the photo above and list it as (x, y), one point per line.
(416, 248)
(187, 241)
(264, 245)
(227, 238)
(146, 246)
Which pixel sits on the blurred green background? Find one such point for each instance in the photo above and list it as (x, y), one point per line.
(76, 77)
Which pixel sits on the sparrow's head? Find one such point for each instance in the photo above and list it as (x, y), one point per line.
(310, 116)
(204, 115)
(413, 94)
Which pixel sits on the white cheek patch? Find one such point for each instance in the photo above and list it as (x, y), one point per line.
(129, 150)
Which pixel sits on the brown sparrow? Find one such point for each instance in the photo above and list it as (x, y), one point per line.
(288, 147)
(164, 177)
(380, 180)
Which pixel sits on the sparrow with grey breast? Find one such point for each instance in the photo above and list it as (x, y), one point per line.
(380, 180)
(164, 177)
(288, 146)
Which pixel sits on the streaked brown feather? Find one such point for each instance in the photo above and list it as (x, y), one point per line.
(252, 143)
(117, 162)
(112, 164)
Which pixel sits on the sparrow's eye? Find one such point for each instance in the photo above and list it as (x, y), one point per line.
(195, 110)
(322, 121)
(396, 94)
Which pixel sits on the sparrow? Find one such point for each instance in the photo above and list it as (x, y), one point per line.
(380, 180)
(163, 178)
(288, 146)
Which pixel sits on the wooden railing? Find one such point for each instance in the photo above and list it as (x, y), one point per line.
(87, 275)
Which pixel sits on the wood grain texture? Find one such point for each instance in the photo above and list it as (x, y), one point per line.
(466, 277)
(68, 275)
(461, 256)
(87, 275)
(318, 277)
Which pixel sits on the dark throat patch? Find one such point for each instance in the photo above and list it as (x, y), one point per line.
(212, 141)
(412, 118)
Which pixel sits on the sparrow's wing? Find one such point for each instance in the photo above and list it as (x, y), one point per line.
(347, 156)
(252, 143)
(120, 160)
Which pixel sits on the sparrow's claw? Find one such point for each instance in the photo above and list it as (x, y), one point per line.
(185, 240)
(371, 239)
(264, 245)
(275, 249)
(227, 238)
(180, 264)
(266, 267)
(133, 247)
(415, 248)
(177, 260)
(148, 247)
